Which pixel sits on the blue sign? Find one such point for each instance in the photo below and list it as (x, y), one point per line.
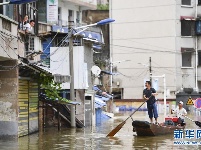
(198, 103)
(85, 34)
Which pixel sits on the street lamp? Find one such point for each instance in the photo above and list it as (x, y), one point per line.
(72, 90)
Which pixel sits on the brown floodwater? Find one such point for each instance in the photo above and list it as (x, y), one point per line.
(94, 138)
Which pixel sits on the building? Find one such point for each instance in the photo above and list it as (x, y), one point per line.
(20, 58)
(101, 55)
(156, 37)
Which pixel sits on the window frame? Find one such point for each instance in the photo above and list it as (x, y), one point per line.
(184, 5)
(192, 28)
(199, 60)
(191, 54)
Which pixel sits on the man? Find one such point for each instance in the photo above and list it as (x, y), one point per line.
(30, 27)
(180, 113)
(149, 94)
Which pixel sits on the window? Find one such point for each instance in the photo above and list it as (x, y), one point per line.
(186, 2)
(187, 27)
(59, 16)
(6, 24)
(186, 59)
(199, 2)
(199, 58)
(77, 17)
(59, 13)
(70, 15)
(1, 7)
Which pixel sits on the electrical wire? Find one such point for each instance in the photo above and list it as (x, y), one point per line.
(145, 7)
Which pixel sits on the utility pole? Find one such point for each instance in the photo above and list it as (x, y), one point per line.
(150, 74)
(71, 65)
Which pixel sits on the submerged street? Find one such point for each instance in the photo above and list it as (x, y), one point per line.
(95, 138)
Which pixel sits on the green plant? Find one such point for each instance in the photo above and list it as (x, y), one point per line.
(51, 88)
(103, 7)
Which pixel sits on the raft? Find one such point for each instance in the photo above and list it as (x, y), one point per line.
(144, 128)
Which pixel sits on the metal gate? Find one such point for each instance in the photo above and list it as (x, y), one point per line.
(23, 99)
(33, 107)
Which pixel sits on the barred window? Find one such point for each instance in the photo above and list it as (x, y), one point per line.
(187, 27)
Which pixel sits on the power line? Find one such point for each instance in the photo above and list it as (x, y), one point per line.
(144, 50)
(145, 7)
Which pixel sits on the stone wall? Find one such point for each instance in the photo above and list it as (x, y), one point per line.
(8, 100)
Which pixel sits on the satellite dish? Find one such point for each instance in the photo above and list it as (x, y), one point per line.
(96, 70)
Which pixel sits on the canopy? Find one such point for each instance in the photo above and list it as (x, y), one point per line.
(21, 1)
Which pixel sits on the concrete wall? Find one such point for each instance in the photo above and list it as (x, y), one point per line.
(146, 29)
(8, 40)
(80, 109)
(138, 33)
(88, 59)
(8, 101)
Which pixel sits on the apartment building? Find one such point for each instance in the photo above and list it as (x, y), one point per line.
(155, 38)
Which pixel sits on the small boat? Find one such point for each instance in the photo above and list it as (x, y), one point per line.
(144, 128)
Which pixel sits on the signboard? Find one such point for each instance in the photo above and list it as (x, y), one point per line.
(198, 103)
(52, 10)
(190, 101)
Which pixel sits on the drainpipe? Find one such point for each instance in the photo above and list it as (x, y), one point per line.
(110, 42)
(196, 51)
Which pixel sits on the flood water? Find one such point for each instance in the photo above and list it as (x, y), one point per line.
(94, 138)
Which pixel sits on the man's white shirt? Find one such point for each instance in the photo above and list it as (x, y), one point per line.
(180, 112)
(29, 27)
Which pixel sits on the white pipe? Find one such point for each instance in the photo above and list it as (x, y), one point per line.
(165, 107)
(196, 52)
(110, 5)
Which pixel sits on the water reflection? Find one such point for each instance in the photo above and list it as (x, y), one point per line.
(94, 138)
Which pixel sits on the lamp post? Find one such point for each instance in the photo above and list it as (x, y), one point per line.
(72, 90)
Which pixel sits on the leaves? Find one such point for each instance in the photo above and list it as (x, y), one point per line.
(51, 88)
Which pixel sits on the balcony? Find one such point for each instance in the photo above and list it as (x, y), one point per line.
(85, 4)
(43, 28)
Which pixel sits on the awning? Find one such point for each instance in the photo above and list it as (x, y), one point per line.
(183, 49)
(187, 18)
(26, 70)
(21, 1)
(99, 103)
